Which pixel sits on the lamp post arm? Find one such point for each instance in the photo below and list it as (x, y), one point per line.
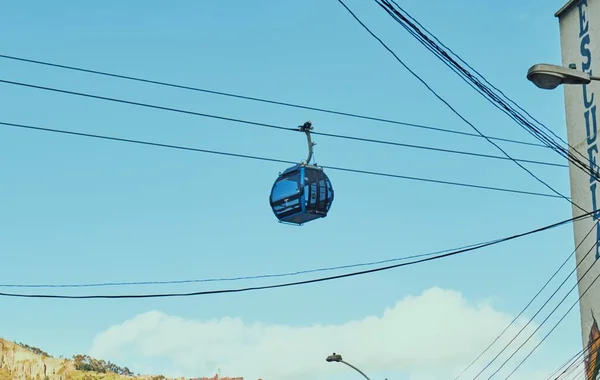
(356, 369)
(595, 78)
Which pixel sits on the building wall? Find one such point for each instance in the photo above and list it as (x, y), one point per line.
(580, 44)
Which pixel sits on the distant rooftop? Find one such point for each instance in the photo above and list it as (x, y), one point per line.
(565, 8)
(216, 377)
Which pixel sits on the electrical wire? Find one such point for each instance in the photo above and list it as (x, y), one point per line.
(572, 364)
(253, 277)
(466, 76)
(272, 126)
(481, 88)
(453, 109)
(567, 259)
(566, 366)
(298, 283)
(532, 318)
(473, 69)
(263, 100)
(559, 321)
(336, 168)
(549, 315)
(510, 100)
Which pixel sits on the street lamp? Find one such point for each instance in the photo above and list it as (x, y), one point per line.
(338, 358)
(548, 77)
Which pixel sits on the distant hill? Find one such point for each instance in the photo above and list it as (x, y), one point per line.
(19, 361)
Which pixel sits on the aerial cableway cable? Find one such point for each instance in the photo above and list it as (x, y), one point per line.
(453, 109)
(272, 126)
(263, 100)
(482, 89)
(298, 283)
(567, 259)
(259, 158)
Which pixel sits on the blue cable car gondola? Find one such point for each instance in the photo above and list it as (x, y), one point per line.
(303, 192)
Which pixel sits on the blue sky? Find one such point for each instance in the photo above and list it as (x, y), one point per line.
(79, 210)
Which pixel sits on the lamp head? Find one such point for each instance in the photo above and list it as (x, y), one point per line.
(548, 77)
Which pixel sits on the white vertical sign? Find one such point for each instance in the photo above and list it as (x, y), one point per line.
(580, 44)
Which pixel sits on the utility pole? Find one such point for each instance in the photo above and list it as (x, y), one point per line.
(579, 22)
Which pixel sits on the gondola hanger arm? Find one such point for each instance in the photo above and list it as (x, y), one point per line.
(306, 128)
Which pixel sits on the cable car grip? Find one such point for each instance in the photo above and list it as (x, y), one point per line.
(306, 128)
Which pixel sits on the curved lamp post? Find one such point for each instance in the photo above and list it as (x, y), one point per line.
(548, 77)
(338, 358)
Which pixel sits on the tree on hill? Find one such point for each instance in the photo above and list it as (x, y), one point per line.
(35, 350)
(89, 364)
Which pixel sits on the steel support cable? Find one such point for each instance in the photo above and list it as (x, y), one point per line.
(271, 126)
(454, 110)
(567, 259)
(297, 283)
(549, 315)
(263, 100)
(258, 158)
(499, 103)
(559, 321)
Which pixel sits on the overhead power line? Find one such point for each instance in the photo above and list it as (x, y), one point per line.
(238, 278)
(566, 366)
(271, 126)
(416, 33)
(298, 283)
(248, 277)
(453, 109)
(548, 316)
(567, 259)
(481, 88)
(559, 321)
(259, 158)
(263, 100)
(573, 364)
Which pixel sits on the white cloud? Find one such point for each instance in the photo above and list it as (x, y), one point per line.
(427, 337)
